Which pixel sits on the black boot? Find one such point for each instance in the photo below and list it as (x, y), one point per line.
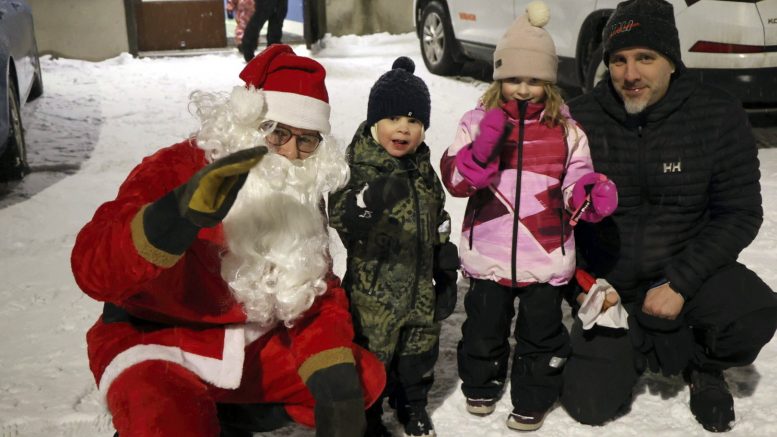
(248, 50)
(711, 401)
(238, 420)
(418, 423)
(375, 426)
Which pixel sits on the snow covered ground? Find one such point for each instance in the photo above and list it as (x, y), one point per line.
(96, 121)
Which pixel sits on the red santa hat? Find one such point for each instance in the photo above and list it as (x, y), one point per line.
(293, 88)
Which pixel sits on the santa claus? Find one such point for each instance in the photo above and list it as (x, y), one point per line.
(222, 315)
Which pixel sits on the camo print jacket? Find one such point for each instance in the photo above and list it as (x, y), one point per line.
(392, 259)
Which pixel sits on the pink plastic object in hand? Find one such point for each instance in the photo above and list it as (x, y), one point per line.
(600, 191)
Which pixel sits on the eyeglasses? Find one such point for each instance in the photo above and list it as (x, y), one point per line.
(277, 136)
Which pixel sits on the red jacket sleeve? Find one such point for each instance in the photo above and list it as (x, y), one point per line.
(105, 261)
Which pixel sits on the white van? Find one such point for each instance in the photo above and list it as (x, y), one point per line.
(730, 43)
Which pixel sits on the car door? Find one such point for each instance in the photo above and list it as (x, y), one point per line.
(768, 12)
(566, 20)
(479, 22)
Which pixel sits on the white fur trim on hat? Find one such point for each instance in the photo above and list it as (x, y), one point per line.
(298, 110)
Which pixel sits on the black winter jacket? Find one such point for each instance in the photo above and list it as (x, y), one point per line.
(688, 186)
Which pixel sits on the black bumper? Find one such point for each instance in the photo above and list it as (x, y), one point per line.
(755, 87)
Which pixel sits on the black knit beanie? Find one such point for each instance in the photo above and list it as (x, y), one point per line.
(643, 23)
(399, 92)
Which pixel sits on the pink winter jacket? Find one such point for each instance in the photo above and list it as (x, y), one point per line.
(243, 10)
(539, 247)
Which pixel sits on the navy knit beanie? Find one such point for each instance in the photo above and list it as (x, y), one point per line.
(399, 92)
(643, 23)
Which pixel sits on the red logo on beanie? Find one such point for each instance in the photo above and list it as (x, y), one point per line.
(623, 26)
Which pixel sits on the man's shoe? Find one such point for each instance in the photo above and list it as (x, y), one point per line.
(418, 424)
(481, 407)
(711, 402)
(525, 421)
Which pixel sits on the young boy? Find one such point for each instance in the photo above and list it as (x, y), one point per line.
(392, 221)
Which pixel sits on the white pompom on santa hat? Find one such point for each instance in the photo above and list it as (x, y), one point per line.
(293, 87)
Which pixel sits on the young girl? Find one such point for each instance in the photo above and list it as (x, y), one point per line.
(526, 167)
(392, 221)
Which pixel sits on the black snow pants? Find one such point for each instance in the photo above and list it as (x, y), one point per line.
(542, 343)
(272, 12)
(726, 324)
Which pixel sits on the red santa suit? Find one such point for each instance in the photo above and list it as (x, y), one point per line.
(183, 314)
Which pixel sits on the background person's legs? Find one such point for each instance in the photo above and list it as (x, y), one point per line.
(275, 23)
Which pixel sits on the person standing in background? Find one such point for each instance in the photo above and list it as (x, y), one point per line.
(271, 11)
(241, 11)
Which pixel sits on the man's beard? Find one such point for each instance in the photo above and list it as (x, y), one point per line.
(277, 240)
(635, 106)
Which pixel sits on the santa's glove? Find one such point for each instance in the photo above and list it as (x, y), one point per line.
(492, 132)
(339, 409)
(366, 207)
(172, 222)
(594, 197)
(446, 273)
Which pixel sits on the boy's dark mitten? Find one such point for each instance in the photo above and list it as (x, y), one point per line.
(365, 208)
(339, 409)
(446, 273)
(172, 222)
(383, 193)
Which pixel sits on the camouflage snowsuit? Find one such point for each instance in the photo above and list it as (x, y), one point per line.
(389, 267)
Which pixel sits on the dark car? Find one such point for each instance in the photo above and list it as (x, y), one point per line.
(21, 82)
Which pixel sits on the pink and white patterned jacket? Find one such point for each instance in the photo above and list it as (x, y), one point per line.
(515, 230)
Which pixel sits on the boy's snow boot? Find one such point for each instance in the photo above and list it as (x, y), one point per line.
(526, 421)
(711, 402)
(418, 422)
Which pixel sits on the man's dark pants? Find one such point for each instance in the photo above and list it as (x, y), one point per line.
(732, 317)
(272, 12)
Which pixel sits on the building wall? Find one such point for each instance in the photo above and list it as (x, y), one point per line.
(92, 30)
(95, 30)
(361, 17)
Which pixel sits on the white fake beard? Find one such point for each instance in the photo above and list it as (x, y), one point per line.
(278, 245)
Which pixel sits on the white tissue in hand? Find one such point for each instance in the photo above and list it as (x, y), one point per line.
(591, 310)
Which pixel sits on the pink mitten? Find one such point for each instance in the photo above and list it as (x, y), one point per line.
(600, 191)
(492, 128)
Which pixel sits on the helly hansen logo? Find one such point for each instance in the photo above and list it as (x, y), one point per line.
(623, 26)
(673, 167)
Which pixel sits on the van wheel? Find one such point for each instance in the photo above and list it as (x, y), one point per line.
(596, 70)
(437, 42)
(13, 163)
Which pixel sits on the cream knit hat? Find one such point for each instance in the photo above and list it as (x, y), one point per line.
(526, 49)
